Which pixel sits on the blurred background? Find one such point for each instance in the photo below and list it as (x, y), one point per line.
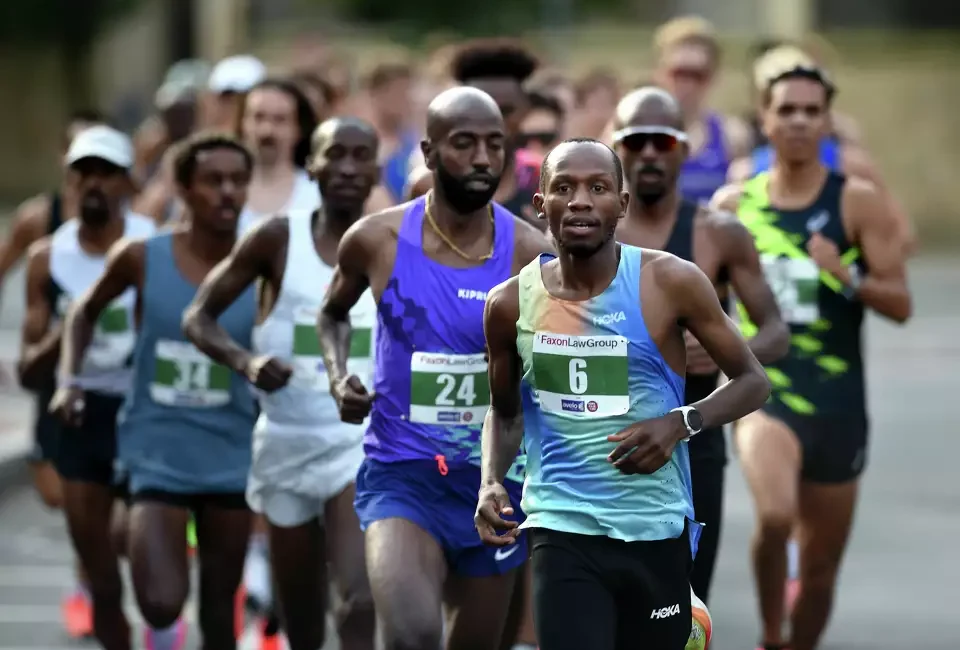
(895, 62)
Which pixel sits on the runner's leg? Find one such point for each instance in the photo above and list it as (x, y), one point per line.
(407, 572)
(708, 476)
(518, 631)
(89, 507)
(356, 617)
(771, 457)
(477, 610)
(299, 568)
(158, 557)
(223, 530)
(826, 517)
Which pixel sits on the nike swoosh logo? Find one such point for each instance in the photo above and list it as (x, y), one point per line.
(503, 553)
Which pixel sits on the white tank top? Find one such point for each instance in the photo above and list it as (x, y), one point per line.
(106, 367)
(305, 406)
(305, 196)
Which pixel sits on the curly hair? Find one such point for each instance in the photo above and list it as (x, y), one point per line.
(493, 58)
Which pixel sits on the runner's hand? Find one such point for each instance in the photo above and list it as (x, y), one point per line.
(827, 256)
(353, 400)
(698, 361)
(494, 529)
(268, 373)
(68, 405)
(646, 446)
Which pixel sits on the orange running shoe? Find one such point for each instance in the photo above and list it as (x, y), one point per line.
(78, 615)
(269, 638)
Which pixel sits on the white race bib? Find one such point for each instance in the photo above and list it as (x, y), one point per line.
(448, 389)
(184, 376)
(581, 376)
(795, 283)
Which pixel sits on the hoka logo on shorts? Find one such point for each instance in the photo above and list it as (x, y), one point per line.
(471, 294)
(574, 405)
(610, 319)
(665, 612)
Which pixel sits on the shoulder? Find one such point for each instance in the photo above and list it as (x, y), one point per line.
(503, 301)
(861, 196)
(372, 231)
(419, 182)
(39, 251)
(676, 279)
(727, 198)
(723, 226)
(270, 233)
(740, 169)
(33, 214)
(737, 135)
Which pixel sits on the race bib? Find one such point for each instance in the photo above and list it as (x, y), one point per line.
(308, 366)
(184, 376)
(581, 376)
(448, 388)
(795, 283)
(113, 339)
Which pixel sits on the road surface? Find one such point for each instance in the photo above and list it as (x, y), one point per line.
(902, 561)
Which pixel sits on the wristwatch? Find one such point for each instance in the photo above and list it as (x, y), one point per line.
(692, 420)
(851, 288)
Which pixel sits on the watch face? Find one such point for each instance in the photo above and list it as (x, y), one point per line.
(694, 419)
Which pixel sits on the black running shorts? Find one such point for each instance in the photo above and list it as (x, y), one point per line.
(87, 453)
(605, 594)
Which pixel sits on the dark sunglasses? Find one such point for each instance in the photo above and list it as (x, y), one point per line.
(636, 138)
(697, 75)
(543, 138)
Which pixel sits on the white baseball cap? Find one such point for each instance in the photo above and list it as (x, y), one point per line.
(102, 142)
(237, 74)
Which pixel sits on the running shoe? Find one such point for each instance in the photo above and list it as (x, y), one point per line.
(78, 615)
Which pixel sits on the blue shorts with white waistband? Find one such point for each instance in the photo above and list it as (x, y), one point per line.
(441, 504)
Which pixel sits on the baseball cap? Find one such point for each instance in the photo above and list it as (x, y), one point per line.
(182, 80)
(237, 74)
(102, 142)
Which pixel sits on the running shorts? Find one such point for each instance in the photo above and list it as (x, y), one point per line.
(46, 430)
(834, 446)
(591, 591)
(88, 453)
(442, 504)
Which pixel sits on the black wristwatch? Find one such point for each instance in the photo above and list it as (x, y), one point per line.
(692, 420)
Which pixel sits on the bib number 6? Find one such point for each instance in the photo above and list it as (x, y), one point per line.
(578, 377)
(465, 393)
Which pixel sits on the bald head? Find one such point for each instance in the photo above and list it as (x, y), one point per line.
(459, 105)
(328, 131)
(649, 106)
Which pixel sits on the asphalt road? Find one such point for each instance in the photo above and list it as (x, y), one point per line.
(895, 590)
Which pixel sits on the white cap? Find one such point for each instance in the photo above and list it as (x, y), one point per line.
(237, 74)
(102, 142)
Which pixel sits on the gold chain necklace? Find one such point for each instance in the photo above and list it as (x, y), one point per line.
(428, 212)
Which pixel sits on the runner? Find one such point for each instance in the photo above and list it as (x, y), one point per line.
(34, 219)
(651, 142)
(60, 269)
(230, 81)
(389, 87)
(603, 431)
(688, 60)
(499, 67)
(542, 127)
(276, 124)
(830, 249)
(305, 459)
(185, 431)
(429, 264)
(838, 151)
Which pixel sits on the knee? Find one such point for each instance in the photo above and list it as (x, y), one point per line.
(776, 524)
(52, 498)
(412, 633)
(160, 608)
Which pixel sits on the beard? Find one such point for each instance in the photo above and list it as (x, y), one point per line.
(650, 193)
(462, 199)
(94, 209)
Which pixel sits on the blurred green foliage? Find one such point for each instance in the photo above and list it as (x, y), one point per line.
(71, 24)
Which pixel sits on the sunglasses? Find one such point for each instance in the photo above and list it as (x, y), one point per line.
(636, 138)
(543, 138)
(696, 75)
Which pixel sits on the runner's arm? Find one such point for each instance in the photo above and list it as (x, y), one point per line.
(503, 425)
(772, 340)
(29, 225)
(124, 270)
(699, 310)
(249, 260)
(351, 277)
(39, 344)
(857, 162)
(884, 287)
